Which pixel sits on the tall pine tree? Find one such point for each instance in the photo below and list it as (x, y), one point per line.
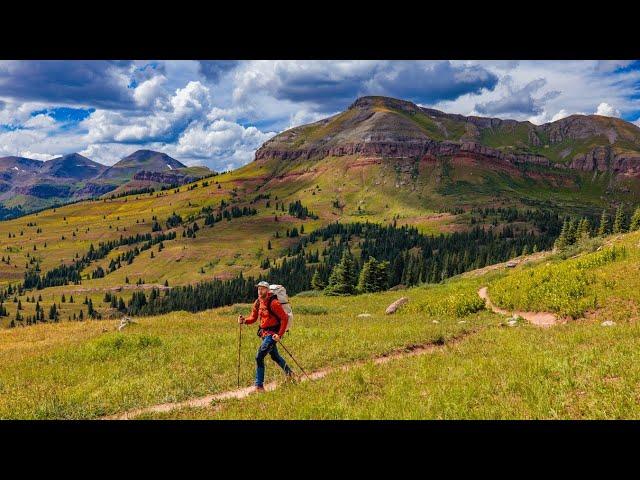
(342, 280)
(619, 223)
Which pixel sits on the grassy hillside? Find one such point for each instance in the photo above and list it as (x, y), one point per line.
(580, 369)
(347, 189)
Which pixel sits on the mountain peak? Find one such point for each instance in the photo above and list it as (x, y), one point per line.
(147, 160)
(378, 126)
(73, 166)
(373, 101)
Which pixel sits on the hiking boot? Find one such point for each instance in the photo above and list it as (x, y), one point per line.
(258, 389)
(291, 377)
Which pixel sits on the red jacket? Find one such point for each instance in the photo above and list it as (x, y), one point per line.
(269, 321)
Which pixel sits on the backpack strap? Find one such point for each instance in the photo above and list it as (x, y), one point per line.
(277, 326)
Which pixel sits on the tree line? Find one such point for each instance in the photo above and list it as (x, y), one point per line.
(385, 256)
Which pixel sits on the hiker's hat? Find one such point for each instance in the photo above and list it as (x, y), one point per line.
(263, 284)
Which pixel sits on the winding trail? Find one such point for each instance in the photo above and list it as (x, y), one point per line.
(541, 319)
(206, 401)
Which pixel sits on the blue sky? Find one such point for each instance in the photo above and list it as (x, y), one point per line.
(217, 113)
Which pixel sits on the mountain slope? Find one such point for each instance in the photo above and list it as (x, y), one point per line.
(382, 126)
(141, 160)
(72, 167)
(27, 185)
(580, 162)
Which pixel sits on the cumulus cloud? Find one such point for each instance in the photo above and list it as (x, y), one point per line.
(164, 122)
(41, 120)
(214, 69)
(221, 142)
(149, 90)
(560, 115)
(519, 100)
(607, 110)
(102, 83)
(332, 85)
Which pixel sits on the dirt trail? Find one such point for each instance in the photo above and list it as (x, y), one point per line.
(532, 257)
(201, 402)
(541, 319)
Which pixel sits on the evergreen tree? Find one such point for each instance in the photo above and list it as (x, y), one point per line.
(584, 229)
(343, 276)
(619, 221)
(604, 227)
(316, 281)
(367, 278)
(562, 240)
(635, 220)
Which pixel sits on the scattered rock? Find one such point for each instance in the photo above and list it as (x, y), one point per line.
(435, 321)
(512, 323)
(608, 323)
(396, 305)
(462, 321)
(124, 322)
(363, 315)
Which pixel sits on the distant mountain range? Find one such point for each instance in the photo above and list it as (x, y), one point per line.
(27, 184)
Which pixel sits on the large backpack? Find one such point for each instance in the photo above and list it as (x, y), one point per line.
(280, 293)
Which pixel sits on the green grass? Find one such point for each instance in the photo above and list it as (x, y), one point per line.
(574, 286)
(85, 370)
(576, 371)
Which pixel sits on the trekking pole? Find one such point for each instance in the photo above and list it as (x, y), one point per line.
(294, 359)
(239, 346)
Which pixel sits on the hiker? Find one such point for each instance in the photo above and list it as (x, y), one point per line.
(273, 324)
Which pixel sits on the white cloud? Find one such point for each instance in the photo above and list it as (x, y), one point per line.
(149, 90)
(303, 116)
(41, 120)
(607, 110)
(221, 140)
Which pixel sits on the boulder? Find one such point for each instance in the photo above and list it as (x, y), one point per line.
(396, 305)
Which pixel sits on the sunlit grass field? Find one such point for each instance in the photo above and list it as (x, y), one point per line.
(574, 371)
(87, 369)
(583, 369)
(580, 369)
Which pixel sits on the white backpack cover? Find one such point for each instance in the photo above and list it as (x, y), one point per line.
(281, 294)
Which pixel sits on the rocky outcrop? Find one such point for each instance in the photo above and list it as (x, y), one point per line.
(410, 149)
(91, 190)
(387, 127)
(603, 159)
(170, 177)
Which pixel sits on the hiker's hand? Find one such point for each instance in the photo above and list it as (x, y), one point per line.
(275, 337)
(240, 319)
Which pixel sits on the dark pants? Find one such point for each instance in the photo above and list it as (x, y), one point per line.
(268, 346)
